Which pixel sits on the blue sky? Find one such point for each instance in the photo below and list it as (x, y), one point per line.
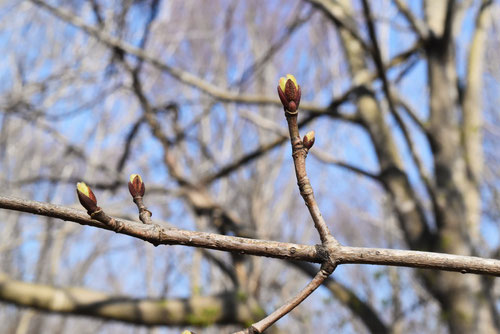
(88, 129)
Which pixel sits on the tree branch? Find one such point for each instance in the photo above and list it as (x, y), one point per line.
(299, 154)
(225, 308)
(394, 177)
(347, 297)
(157, 235)
(324, 157)
(418, 26)
(180, 75)
(472, 116)
(262, 325)
(417, 259)
(448, 23)
(339, 16)
(331, 110)
(256, 67)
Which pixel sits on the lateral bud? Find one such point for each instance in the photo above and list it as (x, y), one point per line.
(308, 140)
(87, 198)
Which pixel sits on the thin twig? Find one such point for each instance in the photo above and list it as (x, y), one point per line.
(197, 82)
(262, 325)
(347, 297)
(324, 157)
(419, 27)
(377, 57)
(399, 100)
(299, 153)
(179, 74)
(144, 213)
(342, 18)
(331, 110)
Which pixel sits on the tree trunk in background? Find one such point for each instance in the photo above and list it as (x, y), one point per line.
(464, 305)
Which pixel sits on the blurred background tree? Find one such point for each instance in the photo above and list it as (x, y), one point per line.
(403, 97)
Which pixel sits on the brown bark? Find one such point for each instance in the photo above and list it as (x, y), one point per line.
(228, 308)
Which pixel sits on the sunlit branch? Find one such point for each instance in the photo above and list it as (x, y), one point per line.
(346, 296)
(180, 75)
(140, 311)
(157, 235)
(262, 325)
(324, 157)
(418, 26)
(337, 14)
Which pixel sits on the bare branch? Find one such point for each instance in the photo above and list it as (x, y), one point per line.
(331, 110)
(182, 76)
(399, 100)
(324, 157)
(422, 172)
(416, 259)
(340, 17)
(472, 116)
(258, 64)
(348, 297)
(448, 23)
(132, 134)
(140, 311)
(265, 323)
(158, 235)
(417, 25)
(299, 154)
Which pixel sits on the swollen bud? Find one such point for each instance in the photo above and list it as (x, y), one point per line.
(136, 186)
(308, 140)
(289, 93)
(86, 197)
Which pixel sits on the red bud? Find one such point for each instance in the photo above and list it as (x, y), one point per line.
(308, 140)
(289, 93)
(136, 186)
(86, 197)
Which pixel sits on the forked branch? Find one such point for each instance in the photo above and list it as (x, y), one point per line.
(330, 253)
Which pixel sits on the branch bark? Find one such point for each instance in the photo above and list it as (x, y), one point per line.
(348, 297)
(265, 323)
(220, 309)
(158, 235)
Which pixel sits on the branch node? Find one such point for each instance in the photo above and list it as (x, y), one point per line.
(305, 186)
(323, 253)
(96, 214)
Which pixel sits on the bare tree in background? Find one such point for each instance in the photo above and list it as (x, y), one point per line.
(402, 96)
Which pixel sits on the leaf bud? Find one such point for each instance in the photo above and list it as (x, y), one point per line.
(289, 93)
(308, 140)
(136, 186)
(86, 197)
